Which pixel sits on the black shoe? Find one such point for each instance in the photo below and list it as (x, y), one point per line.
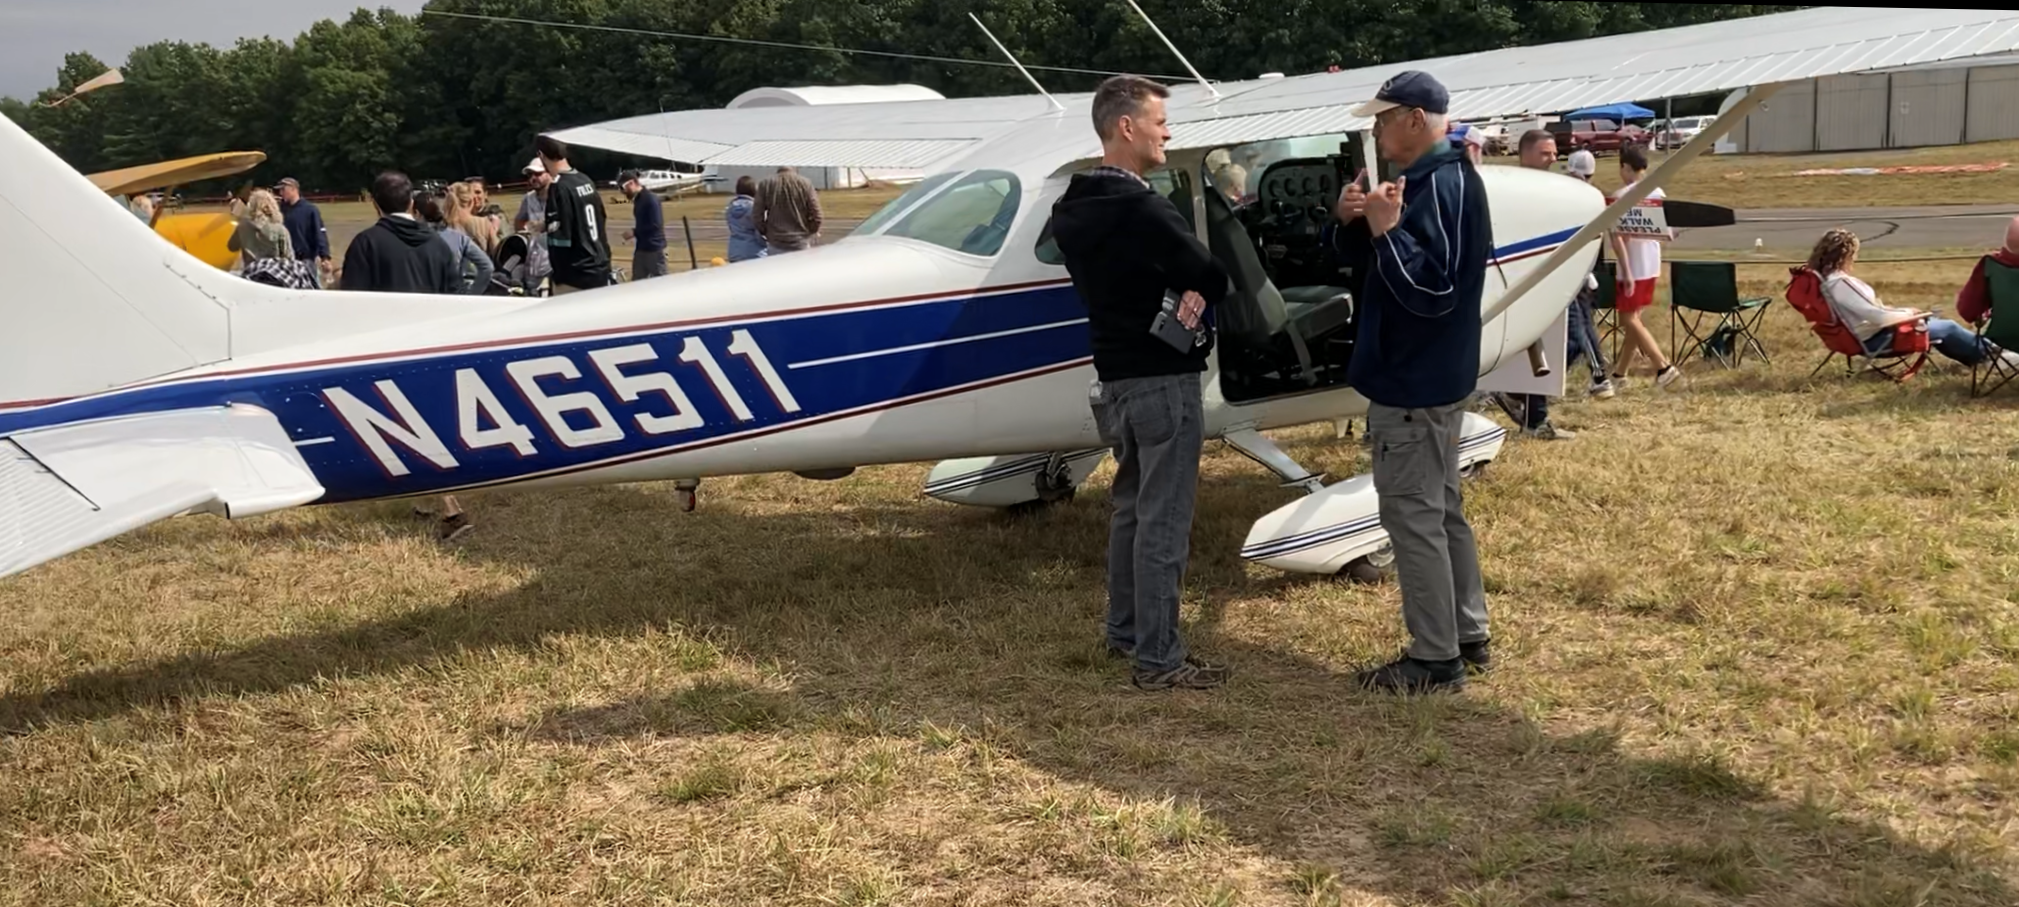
(1408, 675)
(1192, 675)
(1477, 656)
(1115, 651)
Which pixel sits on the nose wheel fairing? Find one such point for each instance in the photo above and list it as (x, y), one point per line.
(1335, 530)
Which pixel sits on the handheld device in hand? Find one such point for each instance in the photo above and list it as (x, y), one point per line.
(1170, 330)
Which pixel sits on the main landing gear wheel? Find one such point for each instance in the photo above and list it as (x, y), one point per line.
(1054, 487)
(1473, 470)
(688, 492)
(1371, 569)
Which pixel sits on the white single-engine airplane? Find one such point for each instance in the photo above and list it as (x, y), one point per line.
(137, 384)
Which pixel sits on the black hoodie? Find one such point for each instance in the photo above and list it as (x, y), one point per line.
(1124, 245)
(401, 255)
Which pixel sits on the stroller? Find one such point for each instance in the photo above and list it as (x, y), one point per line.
(513, 269)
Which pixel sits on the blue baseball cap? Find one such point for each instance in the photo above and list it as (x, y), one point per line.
(1410, 89)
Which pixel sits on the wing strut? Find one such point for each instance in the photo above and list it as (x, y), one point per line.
(1661, 174)
(1174, 50)
(1018, 63)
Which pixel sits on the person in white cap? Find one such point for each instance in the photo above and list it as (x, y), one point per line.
(532, 219)
(1582, 165)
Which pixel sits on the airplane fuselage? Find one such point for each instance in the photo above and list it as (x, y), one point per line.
(874, 350)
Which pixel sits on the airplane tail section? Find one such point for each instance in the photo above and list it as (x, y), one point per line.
(93, 298)
(67, 487)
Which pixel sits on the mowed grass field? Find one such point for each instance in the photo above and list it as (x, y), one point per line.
(1756, 645)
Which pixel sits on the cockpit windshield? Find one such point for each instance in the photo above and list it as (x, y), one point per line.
(901, 204)
(971, 213)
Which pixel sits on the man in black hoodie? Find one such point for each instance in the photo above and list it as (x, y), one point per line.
(399, 254)
(1126, 247)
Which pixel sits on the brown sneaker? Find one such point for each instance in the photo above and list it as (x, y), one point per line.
(1192, 675)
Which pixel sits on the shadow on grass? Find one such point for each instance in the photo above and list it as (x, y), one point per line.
(984, 629)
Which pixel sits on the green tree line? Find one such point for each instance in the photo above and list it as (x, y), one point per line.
(445, 97)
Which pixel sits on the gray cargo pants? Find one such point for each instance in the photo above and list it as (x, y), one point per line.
(1156, 427)
(1436, 559)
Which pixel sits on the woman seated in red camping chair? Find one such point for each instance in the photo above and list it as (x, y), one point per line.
(1858, 307)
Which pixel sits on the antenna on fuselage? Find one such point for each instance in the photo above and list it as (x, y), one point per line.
(1014, 61)
(1174, 50)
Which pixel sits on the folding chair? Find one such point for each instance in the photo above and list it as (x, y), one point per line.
(1709, 292)
(1898, 361)
(1605, 312)
(2002, 329)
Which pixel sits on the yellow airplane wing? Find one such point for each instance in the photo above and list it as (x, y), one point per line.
(177, 172)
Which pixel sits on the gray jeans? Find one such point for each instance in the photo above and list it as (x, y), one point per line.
(1156, 428)
(648, 264)
(1436, 558)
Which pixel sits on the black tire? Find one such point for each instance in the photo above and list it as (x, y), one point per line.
(1362, 573)
(1041, 505)
(1475, 471)
(1369, 570)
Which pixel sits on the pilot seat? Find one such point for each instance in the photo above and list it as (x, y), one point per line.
(1267, 321)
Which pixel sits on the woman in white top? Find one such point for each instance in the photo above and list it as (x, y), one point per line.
(1639, 269)
(1857, 305)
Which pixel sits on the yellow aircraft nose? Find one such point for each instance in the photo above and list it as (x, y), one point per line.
(206, 236)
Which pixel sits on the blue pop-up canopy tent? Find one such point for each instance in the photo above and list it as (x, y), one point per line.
(1620, 112)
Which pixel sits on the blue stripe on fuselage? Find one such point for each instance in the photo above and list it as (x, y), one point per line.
(885, 355)
(1022, 331)
(1529, 245)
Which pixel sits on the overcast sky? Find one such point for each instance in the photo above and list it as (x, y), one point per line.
(35, 34)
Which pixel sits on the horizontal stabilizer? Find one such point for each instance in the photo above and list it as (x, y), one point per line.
(66, 488)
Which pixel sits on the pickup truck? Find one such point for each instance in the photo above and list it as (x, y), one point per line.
(1596, 136)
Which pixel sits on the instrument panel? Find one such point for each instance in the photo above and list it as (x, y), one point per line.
(1300, 190)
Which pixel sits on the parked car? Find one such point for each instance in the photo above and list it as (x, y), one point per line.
(1677, 133)
(1596, 136)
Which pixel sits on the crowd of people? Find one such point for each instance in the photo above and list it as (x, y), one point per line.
(556, 243)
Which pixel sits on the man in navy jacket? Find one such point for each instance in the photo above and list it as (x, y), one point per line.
(1424, 241)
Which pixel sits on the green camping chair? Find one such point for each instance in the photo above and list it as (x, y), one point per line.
(1605, 313)
(1704, 303)
(2002, 328)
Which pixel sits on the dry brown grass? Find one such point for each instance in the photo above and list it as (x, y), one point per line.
(1757, 642)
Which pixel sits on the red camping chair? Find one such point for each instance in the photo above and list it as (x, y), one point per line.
(1898, 361)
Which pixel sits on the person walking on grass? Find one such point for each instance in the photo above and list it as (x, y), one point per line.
(1537, 150)
(648, 231)
(1639, 271)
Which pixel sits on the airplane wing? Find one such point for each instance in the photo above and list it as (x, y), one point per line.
(1713, 57)
(68, 487)
(175, 173)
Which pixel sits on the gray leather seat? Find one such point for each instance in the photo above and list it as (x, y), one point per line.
(1299, 313)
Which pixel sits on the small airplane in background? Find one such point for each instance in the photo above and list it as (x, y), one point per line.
(136, 386)
(205, 237)
(671, 182)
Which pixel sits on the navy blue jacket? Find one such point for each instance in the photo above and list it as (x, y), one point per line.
(303, 221)
(1418, 343)
(651, 221)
